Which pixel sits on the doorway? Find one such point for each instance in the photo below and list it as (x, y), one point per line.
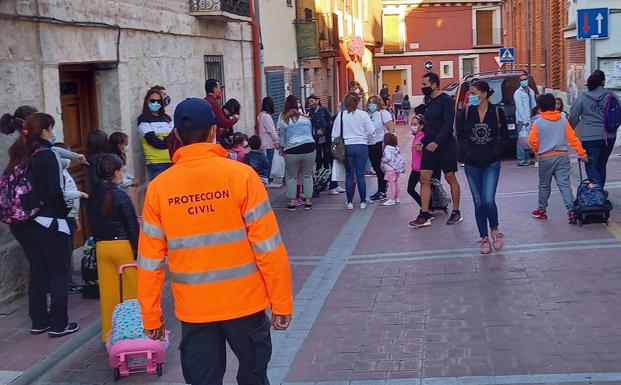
(78, 101)
(394, 78)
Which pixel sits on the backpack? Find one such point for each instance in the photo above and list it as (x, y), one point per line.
(439, 198)
(589, 194)
(405, 105)
(612, 113)
(18, 200)
(399, 162)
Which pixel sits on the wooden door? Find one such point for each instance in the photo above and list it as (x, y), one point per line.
(78, 103)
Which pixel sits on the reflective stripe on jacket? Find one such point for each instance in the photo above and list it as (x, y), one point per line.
(212, 218)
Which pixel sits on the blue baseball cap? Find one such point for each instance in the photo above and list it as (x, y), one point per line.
(194, 114)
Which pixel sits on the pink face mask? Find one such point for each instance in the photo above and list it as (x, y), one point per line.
(414, 129)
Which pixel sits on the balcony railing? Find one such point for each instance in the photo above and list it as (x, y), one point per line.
(486, 37)
(224, 10)
(393, 43)
(328, 34)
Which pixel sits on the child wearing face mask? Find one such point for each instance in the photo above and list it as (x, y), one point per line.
(118, 146)
(239, 146)
(417, 127)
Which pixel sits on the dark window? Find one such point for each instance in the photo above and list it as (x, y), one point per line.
(214, 69)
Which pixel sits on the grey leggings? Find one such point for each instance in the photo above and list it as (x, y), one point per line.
(304, 163)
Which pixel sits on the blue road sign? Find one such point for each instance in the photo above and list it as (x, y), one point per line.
(507, 55)
(593, 23)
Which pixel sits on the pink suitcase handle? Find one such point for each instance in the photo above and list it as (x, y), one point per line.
(121, 268)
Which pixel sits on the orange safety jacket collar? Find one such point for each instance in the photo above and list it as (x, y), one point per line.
(199, 151)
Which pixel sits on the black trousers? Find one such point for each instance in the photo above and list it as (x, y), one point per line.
(49, 253)
(203, 350)
(375, 156)
(413, 181)
(324, 156)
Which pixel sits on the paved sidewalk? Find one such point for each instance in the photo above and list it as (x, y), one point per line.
(379, 303)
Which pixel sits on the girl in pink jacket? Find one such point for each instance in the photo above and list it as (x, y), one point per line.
(417, 125)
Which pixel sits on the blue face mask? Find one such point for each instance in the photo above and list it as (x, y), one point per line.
(524, 83)
(154, 107)
(52, 139)
(372, 107)
(474, 100)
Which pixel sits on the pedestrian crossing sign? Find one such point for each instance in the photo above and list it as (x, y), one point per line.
(507, 55)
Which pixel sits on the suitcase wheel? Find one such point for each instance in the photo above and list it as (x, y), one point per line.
(160, 370)
(117, 374)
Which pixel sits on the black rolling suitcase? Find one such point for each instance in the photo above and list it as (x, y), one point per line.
(591, 205)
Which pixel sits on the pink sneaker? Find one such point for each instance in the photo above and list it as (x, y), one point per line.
(486, 248)
(497, 240)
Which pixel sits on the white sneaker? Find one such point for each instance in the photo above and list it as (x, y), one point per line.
(340, 189)
(398, 201)
(389, 202)
(350, 206)
(333, 192)
(363, 206)
(274, 185)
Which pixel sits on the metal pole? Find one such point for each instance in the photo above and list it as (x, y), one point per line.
(546, 39)
(528, 28)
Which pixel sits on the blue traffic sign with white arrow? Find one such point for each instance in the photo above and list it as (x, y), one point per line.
(593, 23)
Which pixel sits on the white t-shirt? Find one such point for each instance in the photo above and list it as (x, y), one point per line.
(379, 119)
(358, 127)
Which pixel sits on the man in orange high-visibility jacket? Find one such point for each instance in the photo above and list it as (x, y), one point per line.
(212, 217)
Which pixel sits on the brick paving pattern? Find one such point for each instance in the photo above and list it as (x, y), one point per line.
(380, 304)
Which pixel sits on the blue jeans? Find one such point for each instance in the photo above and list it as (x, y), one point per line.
(156, 169)
(270, 157)
(483, 183)
(598, 152)
(357, 156)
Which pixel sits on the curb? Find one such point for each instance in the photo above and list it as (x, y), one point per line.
(46, 363)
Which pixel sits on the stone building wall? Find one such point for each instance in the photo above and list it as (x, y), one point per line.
(161, 43)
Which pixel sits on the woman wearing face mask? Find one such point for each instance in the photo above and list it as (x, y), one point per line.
(383, 122)
(115, 228)
(484, 128)
(45, 239)
(155, 126)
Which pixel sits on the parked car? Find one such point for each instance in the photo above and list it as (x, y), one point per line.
(451, 89)
(504, 83)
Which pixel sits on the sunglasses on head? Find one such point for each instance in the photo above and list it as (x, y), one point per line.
(155, 101)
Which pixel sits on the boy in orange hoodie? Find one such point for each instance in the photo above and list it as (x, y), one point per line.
(550, 138)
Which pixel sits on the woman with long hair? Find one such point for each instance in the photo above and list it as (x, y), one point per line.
(484, 128)
(358, 131)
(115, 227)
(10, 123)
(267, 129)
(45, 239)
(298, 145)
(155, 126)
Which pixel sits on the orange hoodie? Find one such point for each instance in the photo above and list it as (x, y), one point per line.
(551, 134)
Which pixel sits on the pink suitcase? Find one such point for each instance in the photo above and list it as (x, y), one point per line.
(129, 350)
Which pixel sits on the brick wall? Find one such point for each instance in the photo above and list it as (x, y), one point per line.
(544, 25)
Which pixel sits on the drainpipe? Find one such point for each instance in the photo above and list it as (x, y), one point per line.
(256, 56)
(546, 38)
(528, 28)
